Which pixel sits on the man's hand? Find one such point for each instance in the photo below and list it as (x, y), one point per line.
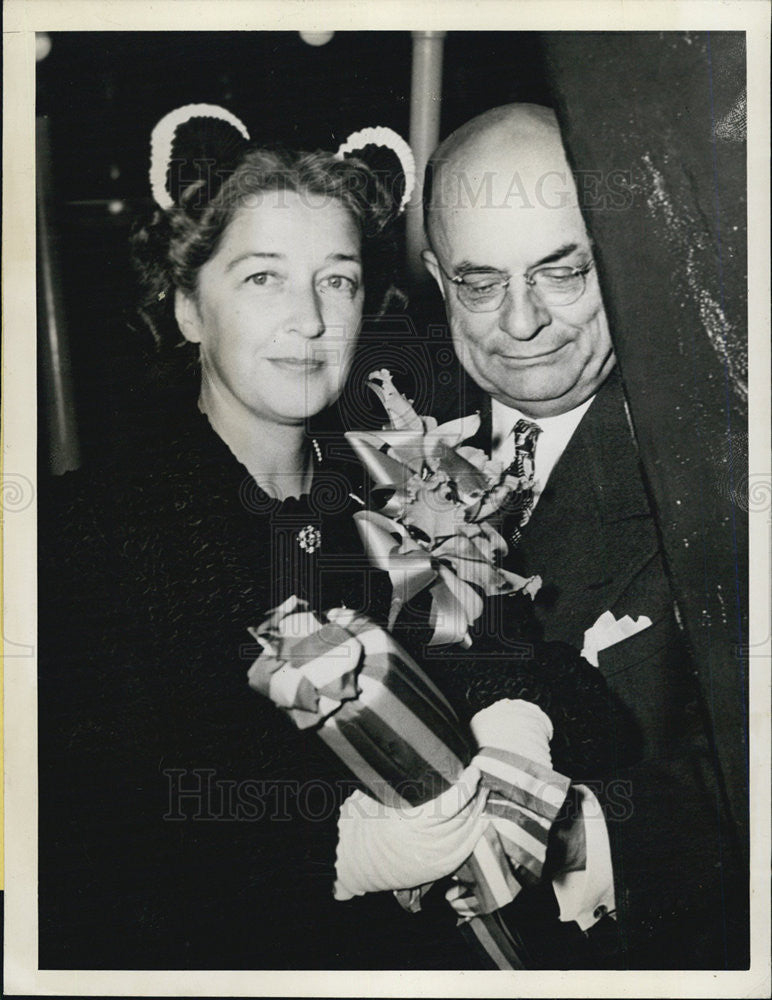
(567, 844)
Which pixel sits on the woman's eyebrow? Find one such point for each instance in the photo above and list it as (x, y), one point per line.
(254, 253)
(332, 257)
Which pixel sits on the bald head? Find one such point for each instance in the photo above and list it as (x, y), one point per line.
(510, 156)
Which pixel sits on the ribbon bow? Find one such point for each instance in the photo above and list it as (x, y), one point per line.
(455, 570)
(307, 666)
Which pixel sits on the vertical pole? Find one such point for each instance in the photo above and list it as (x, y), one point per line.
(425, 105)
(54, 356)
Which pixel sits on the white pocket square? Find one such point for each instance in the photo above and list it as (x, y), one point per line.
(607, 631)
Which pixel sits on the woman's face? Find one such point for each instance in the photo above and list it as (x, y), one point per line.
(278, 308)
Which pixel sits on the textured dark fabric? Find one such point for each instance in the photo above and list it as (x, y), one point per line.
(508, 659)
(656, 136)
(679, 881)
(150, 574)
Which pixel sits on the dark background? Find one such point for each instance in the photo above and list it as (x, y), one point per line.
(102, 93)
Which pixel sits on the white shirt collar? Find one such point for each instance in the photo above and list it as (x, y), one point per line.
(556, 432)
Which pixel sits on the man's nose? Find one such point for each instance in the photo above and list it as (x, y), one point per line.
(306, 313)
(522, 312)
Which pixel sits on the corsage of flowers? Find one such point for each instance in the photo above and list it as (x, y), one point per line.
(434, 498)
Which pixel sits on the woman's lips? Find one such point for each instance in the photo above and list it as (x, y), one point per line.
(306, 365)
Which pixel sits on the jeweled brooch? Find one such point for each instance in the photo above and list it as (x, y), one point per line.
(309, 538)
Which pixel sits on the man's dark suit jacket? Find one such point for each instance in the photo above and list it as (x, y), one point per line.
(679, 885)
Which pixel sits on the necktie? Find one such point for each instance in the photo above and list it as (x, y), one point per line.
(520, 504)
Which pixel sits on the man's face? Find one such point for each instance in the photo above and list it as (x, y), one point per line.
(542, 359)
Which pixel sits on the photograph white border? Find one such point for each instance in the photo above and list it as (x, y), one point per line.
(22, 18)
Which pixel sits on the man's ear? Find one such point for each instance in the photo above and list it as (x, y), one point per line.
(188, 318)
(433, 267)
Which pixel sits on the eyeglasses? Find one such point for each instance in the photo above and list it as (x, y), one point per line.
(484, 290)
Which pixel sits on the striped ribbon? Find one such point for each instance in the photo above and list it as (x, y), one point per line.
(523, 803)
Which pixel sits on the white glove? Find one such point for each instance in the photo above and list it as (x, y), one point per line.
(517, 726)
(382, 847)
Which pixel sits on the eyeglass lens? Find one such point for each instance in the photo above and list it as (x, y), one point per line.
(554, 286)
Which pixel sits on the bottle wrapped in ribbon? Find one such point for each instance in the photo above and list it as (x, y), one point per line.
(395, 731)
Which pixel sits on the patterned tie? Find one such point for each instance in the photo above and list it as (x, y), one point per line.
(520, 505)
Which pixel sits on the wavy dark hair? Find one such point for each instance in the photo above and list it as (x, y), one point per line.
(170, 248)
